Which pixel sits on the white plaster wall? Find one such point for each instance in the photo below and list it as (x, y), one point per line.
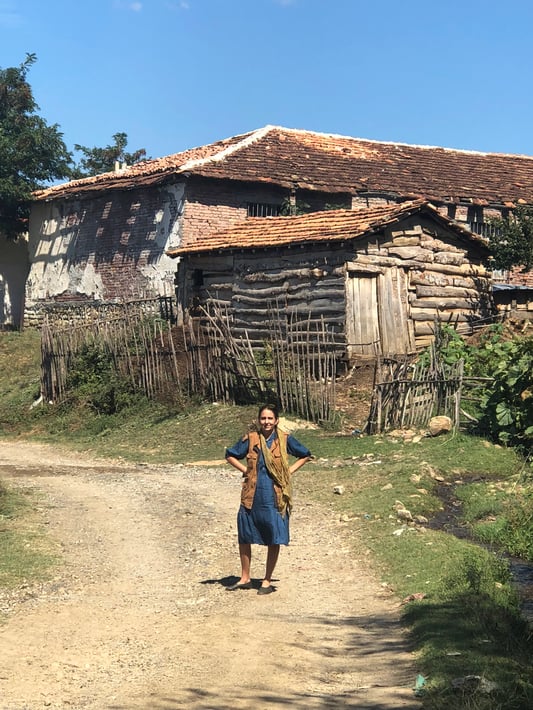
(54, 251)
(161, 272)
(14, 267)
(51, 242)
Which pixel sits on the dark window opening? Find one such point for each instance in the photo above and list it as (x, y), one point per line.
(477, 223)
(197, 278)
(263, 209)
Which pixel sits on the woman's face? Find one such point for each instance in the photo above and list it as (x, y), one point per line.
(267, 422)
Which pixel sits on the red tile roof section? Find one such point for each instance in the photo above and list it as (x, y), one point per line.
(331, 225)
(319, 161)
(145, 173)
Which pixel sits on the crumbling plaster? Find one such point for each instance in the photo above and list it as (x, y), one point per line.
(109, 248)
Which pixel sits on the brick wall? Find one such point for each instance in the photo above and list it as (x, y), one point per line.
(212, 205)
(107, 248)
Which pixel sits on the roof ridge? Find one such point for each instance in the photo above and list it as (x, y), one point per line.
(250, 137)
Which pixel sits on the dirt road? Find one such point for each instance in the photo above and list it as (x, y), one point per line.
(138, 616)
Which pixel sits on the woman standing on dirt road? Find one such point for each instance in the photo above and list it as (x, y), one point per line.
(266, 496)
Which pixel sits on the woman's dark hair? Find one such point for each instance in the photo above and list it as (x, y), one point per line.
(273, 408)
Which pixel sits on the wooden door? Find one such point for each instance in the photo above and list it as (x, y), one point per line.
(396, 328)
(362, 314)
(377, 315)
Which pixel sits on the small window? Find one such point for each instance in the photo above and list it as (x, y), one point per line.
(500, 276)
(451, 211)
(478, 224)
(263, 209)
(197, 278)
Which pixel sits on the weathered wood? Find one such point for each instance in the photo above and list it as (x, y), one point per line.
(412, 253)
(429, 329)
(465, 269)
(445, 291)
(303, 295)
(353, 268)
(447, 257)
(429, 278)
(444, 304)
(428, 314)
(401, 241)
(215, 263)
(362, 320)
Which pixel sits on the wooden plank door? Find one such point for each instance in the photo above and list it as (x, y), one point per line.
(377, 320)
(395, 326)
(362, 319)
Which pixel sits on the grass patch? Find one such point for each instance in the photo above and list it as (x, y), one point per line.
(26, 553)
(460, 605)
(20, 379)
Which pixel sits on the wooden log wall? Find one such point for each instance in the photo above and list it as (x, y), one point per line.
(293, 284)
(444, 282)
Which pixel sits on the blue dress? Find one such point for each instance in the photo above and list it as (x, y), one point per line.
(263, 524)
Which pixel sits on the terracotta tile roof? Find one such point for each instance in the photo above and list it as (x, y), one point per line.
(319, 161)
(145, 173)
(331, 225)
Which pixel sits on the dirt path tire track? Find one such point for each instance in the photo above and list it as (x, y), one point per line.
(138, 615)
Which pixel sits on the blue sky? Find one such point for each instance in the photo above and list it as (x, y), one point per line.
(174, 74)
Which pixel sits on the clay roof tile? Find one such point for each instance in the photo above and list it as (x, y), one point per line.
(330, 163)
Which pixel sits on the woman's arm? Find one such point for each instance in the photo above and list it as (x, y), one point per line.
(299, 463)
(299, 451)
(236, 463)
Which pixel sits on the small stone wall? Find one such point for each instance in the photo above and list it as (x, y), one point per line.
(70, 314)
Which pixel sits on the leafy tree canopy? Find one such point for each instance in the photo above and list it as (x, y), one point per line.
(512, 241)
(102, 160)
(32, 153)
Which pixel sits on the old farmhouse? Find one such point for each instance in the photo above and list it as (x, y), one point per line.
(379, 277)
(104, 239)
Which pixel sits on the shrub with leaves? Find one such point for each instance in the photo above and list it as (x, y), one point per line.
(511, 242)
(93, 381)
(505, 407)
(508, 405)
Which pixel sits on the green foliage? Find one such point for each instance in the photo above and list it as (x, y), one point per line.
(507, 406)
(32, 153)
(518, 532)
(506, 401)
(101, 160)
(288, 209)
(19, 378)
(93, 381)
(511, 243)
(512, 528)
(479, 572)
(449, 346)
(475, 629)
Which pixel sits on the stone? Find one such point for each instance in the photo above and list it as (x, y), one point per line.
(440, 425)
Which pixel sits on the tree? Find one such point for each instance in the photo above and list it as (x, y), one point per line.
(511, 243)
(102, 160)
(32, 153)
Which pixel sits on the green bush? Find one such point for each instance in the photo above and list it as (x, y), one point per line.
(94, 381)
(505, 401)
(507, 407)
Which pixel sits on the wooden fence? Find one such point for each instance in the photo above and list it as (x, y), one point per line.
(138, 349)
(296, 368)
(407, 394)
